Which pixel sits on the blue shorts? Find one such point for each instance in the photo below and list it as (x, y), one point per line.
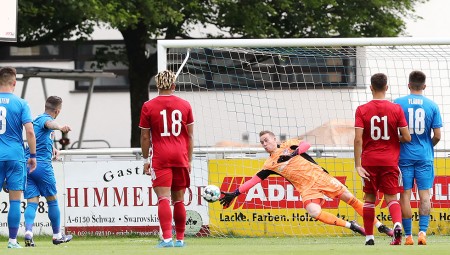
(41, 182)
(422, 171)
(14, 173)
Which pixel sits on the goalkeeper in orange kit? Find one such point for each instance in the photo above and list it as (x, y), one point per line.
(290, 161)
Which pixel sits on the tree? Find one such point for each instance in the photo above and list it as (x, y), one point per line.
(143, 21)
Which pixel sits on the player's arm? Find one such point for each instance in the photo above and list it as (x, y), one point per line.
(53, 125)
(436, 136)
(299, 149)
(405, 136)
(190, 130)
(229, 196)
(145, 148)
(357, 144)
(31, 139)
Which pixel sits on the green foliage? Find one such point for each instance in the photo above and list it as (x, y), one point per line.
(315, 18)
(141, 22)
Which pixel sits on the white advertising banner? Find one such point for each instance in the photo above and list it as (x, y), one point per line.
(113, 198)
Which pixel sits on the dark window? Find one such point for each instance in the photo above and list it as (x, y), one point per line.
(90, 55)
(218, 69)
(107, 56)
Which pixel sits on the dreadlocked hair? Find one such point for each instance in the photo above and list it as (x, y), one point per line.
(165, 79)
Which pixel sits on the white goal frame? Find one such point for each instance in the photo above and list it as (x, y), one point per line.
(163, 45)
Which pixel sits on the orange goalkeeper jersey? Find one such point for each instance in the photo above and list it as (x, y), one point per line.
(304, 175)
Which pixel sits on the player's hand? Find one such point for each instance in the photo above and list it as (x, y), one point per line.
(228, 197)
(147, 169)
(56, 154)
(31, 164)
(5, 187)
(363, 173)
(65, 129)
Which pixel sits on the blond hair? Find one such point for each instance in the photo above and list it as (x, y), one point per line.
(165, 79)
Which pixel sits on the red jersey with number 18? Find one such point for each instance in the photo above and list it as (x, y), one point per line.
(380, 120)
(167, 117)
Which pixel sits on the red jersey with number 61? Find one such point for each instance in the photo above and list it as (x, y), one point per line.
(167, 117)
(380, 120)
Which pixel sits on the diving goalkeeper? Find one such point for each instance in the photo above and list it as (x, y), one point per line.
(290, 161)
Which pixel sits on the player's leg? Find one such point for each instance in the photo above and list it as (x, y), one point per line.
(369, 216)
(314, 209)
(179, 216)
(15, 179)
(424, 180)
(31, 194)
(30, 215)
(370, 188)
(405, 204)
(396, 214)
(180, 182)
(54, 214)
(14, 217)
(407, 170)
(46, 183)
(391, 185)
(424, 216)
(162, 186)
(351, 200)
(313, 200)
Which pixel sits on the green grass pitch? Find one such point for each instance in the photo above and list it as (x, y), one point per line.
(231, 246)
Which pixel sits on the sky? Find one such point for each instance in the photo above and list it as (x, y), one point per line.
(435, 22)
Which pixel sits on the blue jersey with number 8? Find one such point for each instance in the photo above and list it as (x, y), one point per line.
(14, 113)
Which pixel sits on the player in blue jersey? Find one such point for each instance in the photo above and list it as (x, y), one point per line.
(42, 181)
(14, 116)
(416, 158)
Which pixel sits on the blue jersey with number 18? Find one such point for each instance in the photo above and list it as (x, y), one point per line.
(14, 113)
(422, 115)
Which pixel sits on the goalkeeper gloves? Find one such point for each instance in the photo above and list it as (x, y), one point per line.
(228, 197)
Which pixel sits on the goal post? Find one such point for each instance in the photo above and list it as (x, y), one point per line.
(299, 88)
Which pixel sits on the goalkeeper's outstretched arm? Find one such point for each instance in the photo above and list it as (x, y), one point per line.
(228, 197)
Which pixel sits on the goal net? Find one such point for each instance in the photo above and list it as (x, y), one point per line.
(297, 88)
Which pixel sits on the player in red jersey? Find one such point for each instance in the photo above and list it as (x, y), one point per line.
(377, 151)
(167, 131)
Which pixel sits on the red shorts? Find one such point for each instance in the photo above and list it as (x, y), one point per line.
(175, 177)
(386, 179)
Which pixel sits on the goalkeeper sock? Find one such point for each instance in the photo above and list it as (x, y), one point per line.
(369, 217)
(165, 217)
(330, 219)
(179, 217)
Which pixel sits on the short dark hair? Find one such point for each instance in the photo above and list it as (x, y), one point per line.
(378, 81)
(417, 80)
(266, 132)
(7, 75)
(53, 103)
